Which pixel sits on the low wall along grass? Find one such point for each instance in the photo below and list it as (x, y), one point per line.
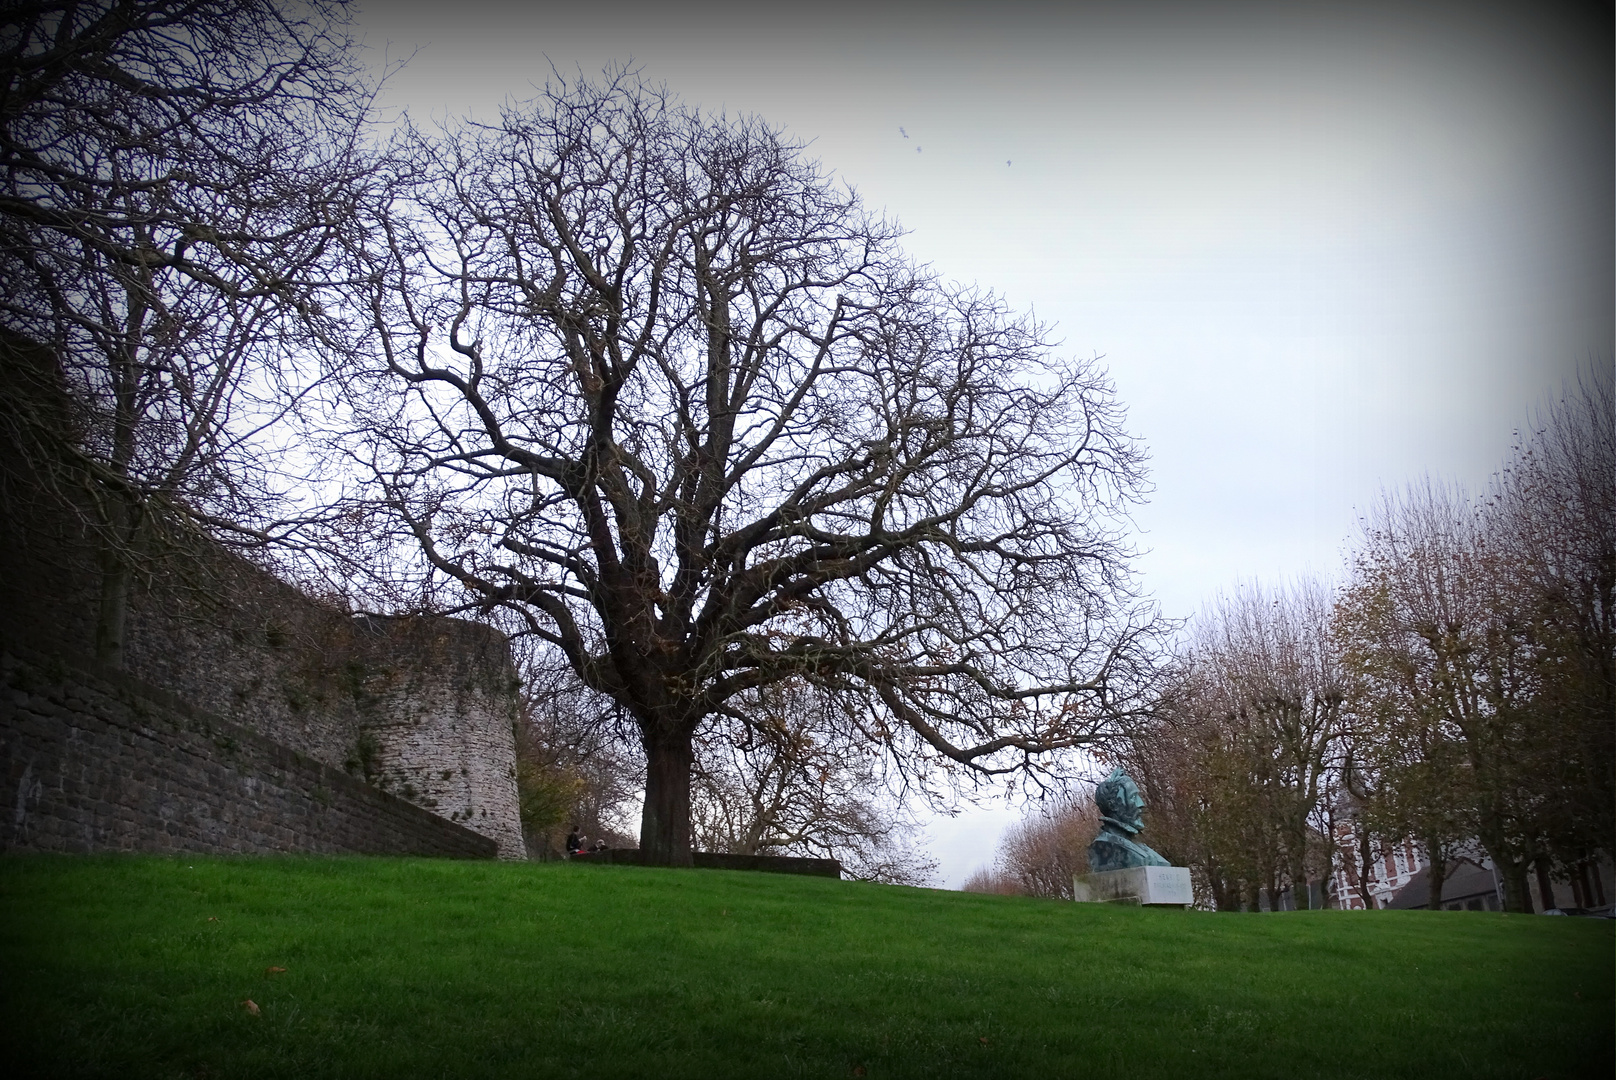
(142, 967)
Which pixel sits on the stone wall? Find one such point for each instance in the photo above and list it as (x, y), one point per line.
(443, 722)
(422, 708)
(93, 760)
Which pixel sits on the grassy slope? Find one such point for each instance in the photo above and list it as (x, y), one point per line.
(396, 968)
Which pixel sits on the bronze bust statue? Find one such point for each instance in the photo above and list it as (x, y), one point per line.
(1121, 809)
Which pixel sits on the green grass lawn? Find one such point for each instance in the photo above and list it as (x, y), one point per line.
(138, 967)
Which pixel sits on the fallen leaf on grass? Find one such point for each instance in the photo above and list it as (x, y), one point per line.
(983, 1039)
(274, 971)
(251, 1006)
(858, 1070)
(213, 918)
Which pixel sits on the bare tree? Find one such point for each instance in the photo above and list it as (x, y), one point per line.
(1239, 757)
(991, 879)
(1551, 514)
(1409, 777)
(1433, 633)
(573, 769)
(790, 782)
(172, 175)
(1358, 816)
(1049, 846)
(1277, 674)
(1479, 633)
(1206, 790)
(651, 381)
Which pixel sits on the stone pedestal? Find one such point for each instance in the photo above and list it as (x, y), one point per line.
(1155, 886)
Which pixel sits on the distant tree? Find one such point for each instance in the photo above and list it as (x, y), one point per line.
(649, 380)
(1049, 846)
(1551, 516)
(1243, 746)
(572, 769)
(1353, 819)
(1205, 792)
(1395, 786)
(172, 175)
(990, 879)
(1408, 776)
(789, 782)
(1479, 635)
(1434, 636)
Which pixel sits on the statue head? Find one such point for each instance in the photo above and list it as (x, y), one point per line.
(1118, 799)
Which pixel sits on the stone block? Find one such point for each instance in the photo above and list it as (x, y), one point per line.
(1164, 886)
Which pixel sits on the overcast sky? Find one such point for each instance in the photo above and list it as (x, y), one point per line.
(1323, 248)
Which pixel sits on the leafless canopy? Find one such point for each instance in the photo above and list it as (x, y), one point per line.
(169, 166)
(653, 382)
(1238, 759)
(173, 174)
(1483, 643)
(795, 779)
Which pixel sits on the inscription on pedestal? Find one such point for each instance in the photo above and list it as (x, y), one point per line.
(1153, 886)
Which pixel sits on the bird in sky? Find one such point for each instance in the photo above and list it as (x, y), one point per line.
(902, 132)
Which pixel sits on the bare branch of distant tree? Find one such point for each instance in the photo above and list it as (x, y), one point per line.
(795, 779)
(173, 174)
(1238, 758)
(1431, 632)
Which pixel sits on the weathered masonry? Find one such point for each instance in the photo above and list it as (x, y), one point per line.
(248, 716)
(417, 712)
(109, 764)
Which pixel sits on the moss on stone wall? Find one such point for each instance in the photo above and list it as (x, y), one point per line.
(403, 700)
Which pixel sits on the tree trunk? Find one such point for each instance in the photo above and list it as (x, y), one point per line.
(1363, 866)
(1296, 848)
(665, 822)
(121, 506)
(112, 615)
(1436, 872)
(1510, 870)
(1545, 887)
(1517, 896)
(1301, 895)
